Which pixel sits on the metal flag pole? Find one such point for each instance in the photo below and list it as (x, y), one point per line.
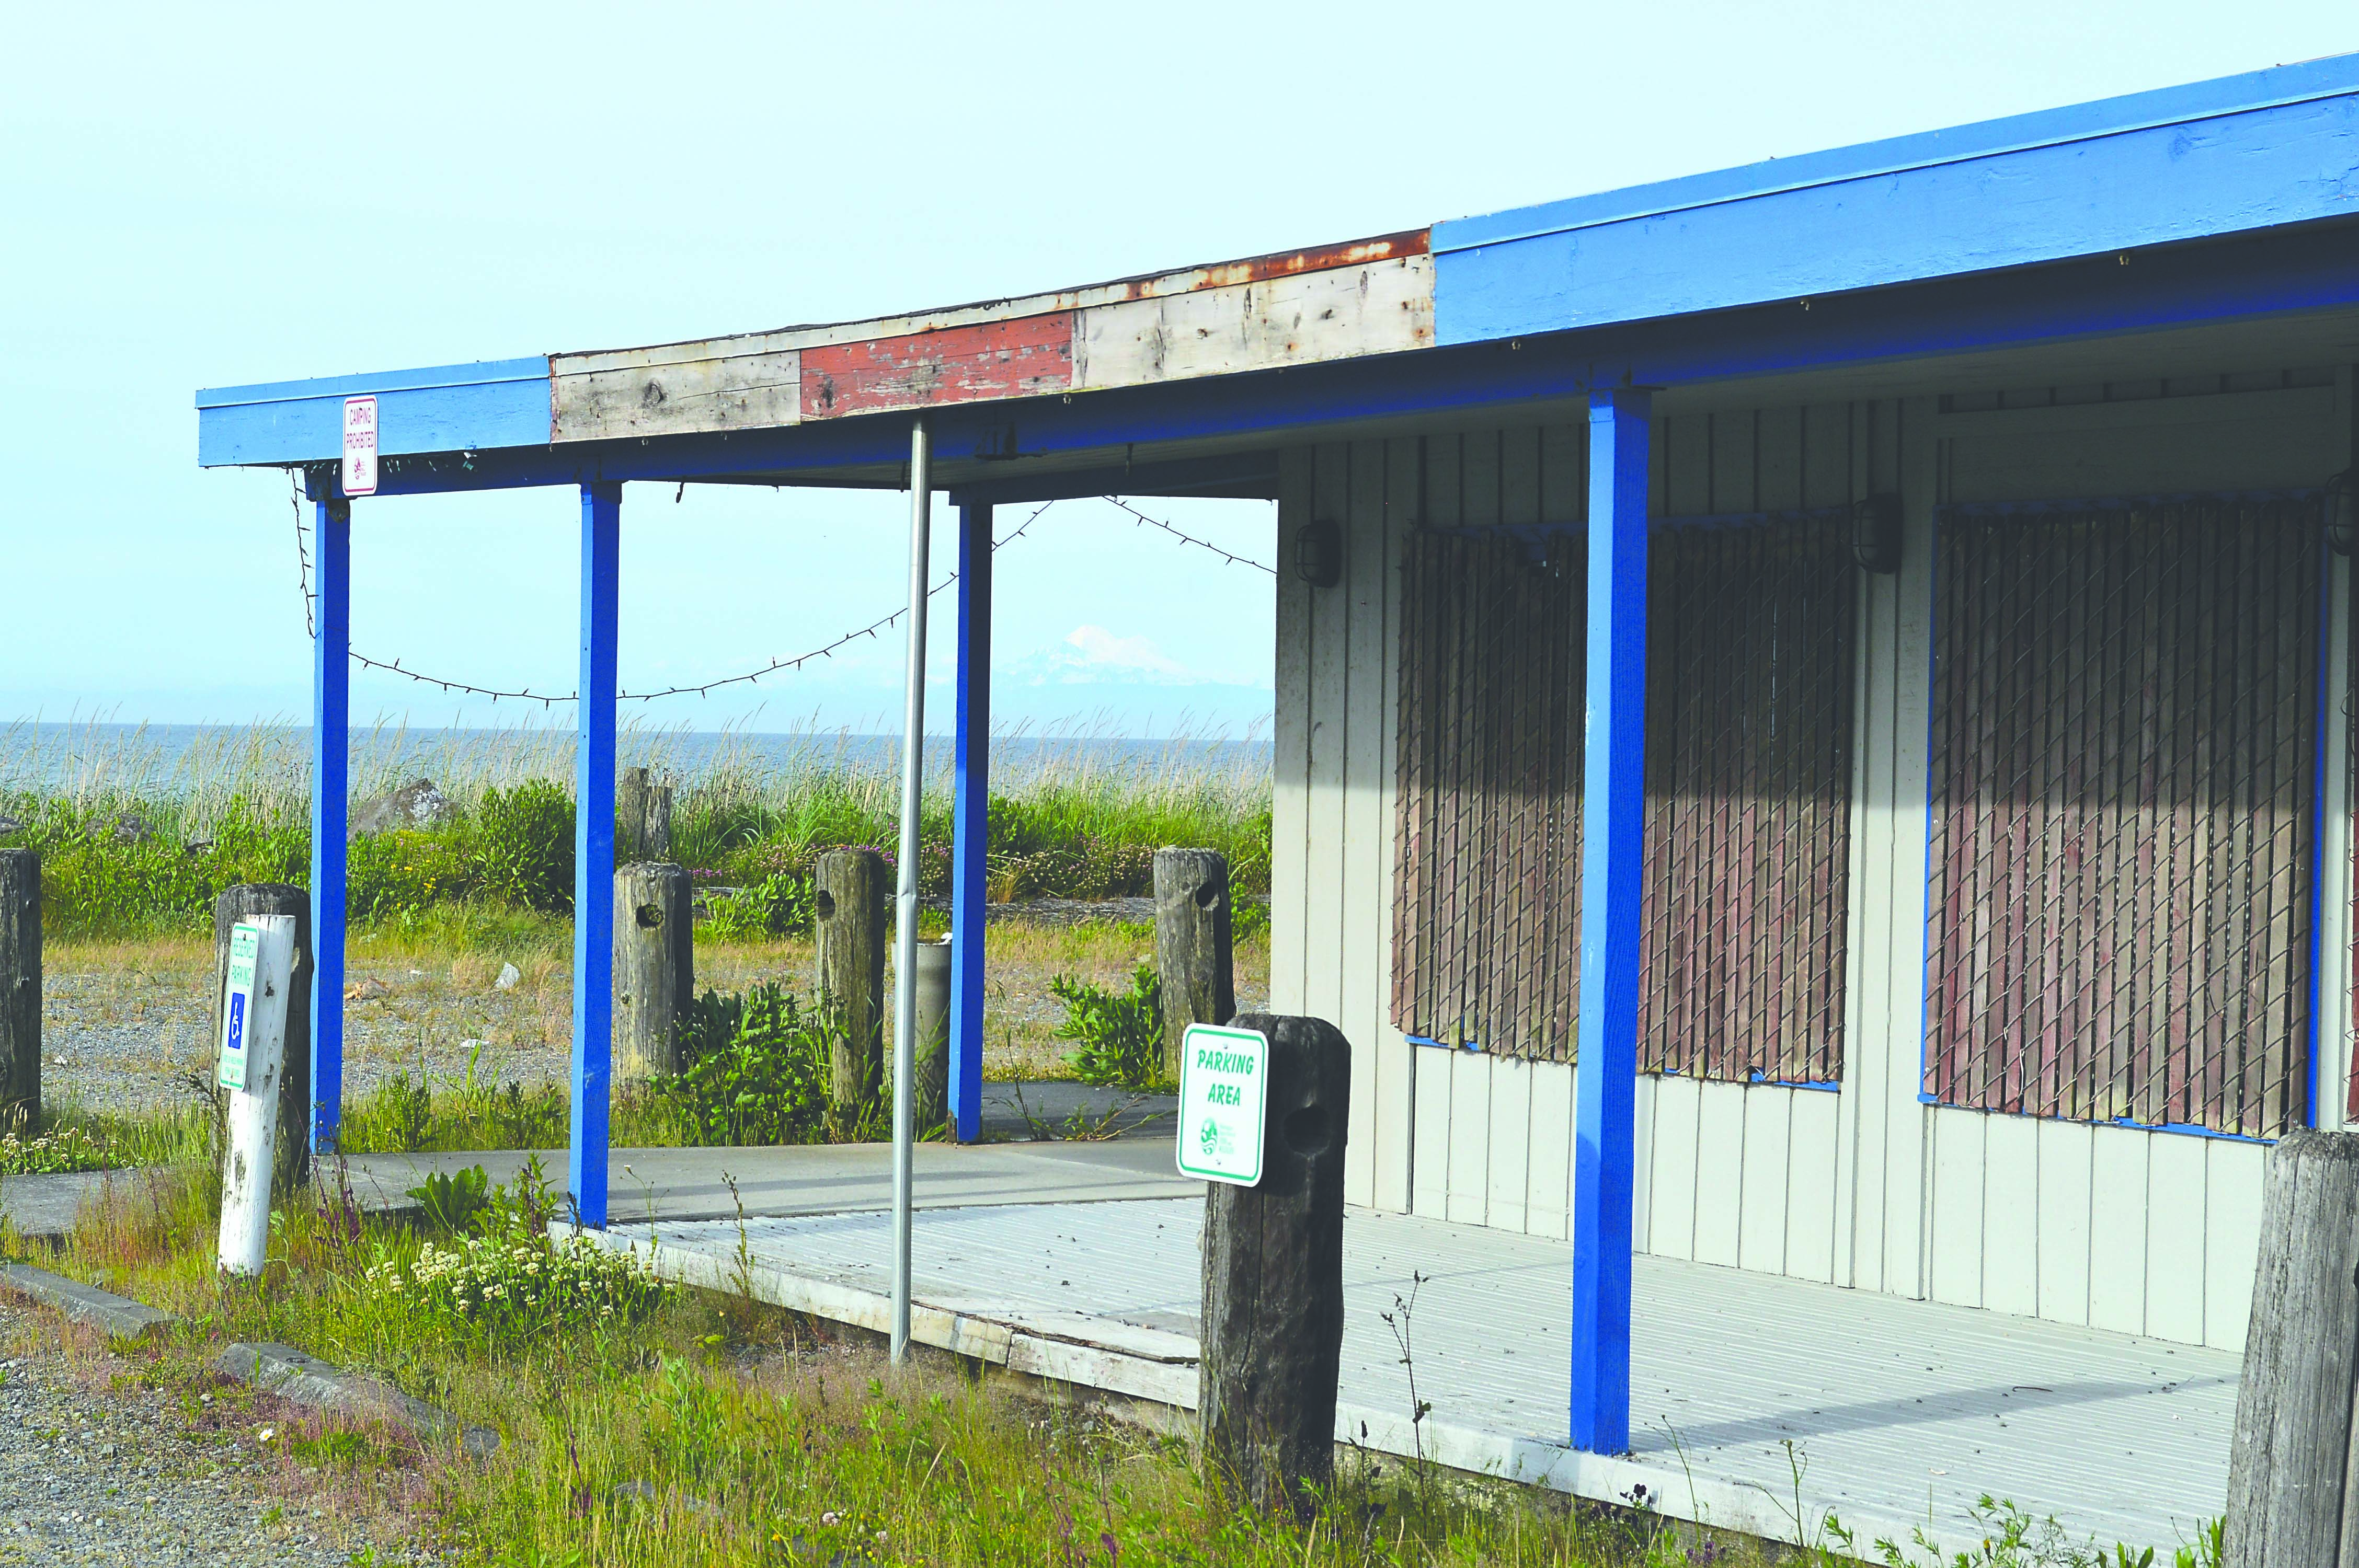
(905, 897)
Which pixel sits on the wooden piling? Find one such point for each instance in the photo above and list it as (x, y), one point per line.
(2293, 1497)
(291, 1165)
(1273, 1304)
(255, 1134)
(655, 968)
(1191, 944)
(642, 818)
(20, 987)
(853, 905)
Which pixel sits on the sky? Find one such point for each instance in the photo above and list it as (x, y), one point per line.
(196, 197)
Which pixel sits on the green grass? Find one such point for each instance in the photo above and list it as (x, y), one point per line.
(684, 1427)
(129, 844)
(714, 1431)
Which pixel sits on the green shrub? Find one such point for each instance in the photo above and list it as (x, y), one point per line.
(1120, 1037)
(522, 846)
(402, 874)
(757, 1070)
(779, 905)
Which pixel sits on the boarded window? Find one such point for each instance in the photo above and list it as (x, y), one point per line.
(2124, 754)
(1749, 693)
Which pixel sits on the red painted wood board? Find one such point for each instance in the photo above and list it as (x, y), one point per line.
(957, 365)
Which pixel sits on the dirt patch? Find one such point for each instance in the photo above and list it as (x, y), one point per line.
(125, 1026)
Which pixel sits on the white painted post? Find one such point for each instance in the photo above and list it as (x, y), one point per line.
(252, 1049)
(905, 900)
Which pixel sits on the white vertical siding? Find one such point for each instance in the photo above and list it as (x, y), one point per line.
(2123, 1228)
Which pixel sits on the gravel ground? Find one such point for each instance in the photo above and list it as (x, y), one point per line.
(126, 1036)
(94, 1468)
(126, 1028)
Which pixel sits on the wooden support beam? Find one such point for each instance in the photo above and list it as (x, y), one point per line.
(1613, 866)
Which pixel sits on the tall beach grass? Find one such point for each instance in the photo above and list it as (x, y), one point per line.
(136, 832)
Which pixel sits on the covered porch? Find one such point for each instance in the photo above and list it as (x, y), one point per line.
(1766, 1405)
(2132, 269)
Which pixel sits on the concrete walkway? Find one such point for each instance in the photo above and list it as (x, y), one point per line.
(693, 1183)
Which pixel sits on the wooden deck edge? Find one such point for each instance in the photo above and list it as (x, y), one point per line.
(1675, 1490)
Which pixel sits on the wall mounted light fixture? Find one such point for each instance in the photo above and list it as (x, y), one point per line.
(1319, 553)
(1875, 533)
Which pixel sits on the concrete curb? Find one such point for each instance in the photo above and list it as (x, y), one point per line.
(302, 1379)
(281, 1369)
(118, 1315)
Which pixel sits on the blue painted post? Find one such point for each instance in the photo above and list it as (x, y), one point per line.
(593, 853)
(971, 820)
(1613, 862)
(331, 710)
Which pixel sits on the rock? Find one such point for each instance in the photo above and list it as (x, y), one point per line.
(129, 829)
(9, 824)
(508, 977)
(416, 804)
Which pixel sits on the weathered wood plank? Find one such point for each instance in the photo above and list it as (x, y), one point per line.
(674, 397)
(958, 364)
(1305, 318)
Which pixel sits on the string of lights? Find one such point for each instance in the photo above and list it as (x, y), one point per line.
(302, 555)
(1189, 538)
(549, 699)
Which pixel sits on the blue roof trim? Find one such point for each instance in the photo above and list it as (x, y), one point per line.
(483, 373)
(2277, 87)
(2232, 173)
(303, 421)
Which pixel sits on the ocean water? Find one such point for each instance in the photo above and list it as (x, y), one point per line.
(163, 757)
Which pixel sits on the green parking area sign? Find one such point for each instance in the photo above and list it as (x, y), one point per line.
(1223, 1096)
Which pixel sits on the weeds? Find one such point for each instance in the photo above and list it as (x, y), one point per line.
(1120, 1037)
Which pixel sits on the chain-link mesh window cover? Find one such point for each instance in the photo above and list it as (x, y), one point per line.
(2124, 755)
(1749, 781)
